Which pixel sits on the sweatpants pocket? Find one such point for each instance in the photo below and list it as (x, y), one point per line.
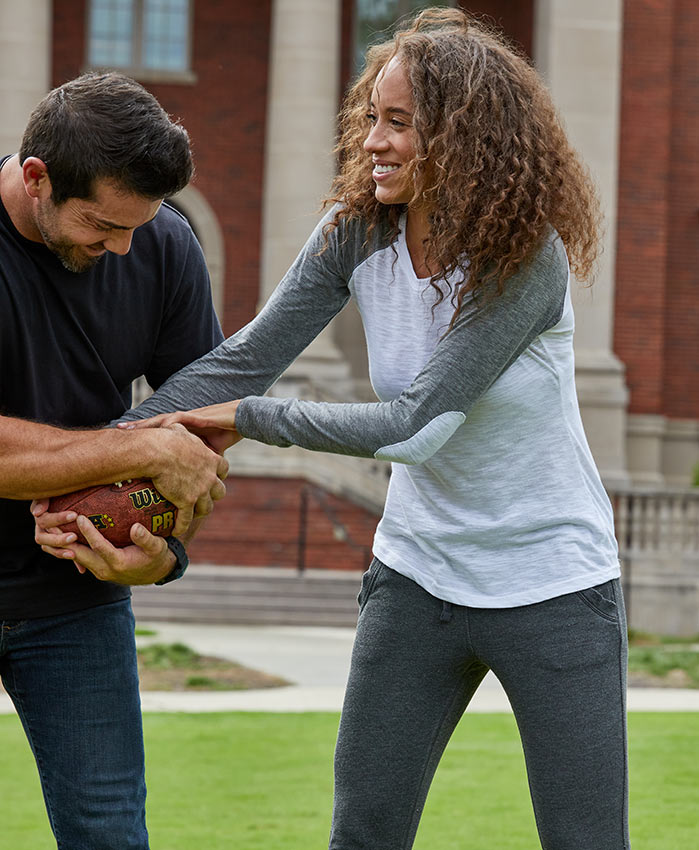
(368, 582)
(602, 600)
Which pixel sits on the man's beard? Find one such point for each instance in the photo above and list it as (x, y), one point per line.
(70, 255)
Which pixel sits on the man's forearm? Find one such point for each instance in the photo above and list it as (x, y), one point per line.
(39, 460)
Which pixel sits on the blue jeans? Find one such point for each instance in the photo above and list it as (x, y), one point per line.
(74, 683)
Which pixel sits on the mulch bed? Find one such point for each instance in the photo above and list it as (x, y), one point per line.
(209, 674)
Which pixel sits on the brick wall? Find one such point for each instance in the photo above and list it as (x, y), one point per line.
(657, 278)
(260, 522)
(681, 372)
(516, 20)
(224, 112)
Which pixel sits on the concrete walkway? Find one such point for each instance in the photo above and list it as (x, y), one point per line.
(316, 660)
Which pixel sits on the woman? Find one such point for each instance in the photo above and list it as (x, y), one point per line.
(458, 203)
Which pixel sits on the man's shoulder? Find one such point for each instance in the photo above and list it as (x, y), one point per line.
(170, 215)
(169, 221)
(169, 229)
(168, 235)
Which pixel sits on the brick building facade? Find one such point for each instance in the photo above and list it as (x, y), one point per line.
(624, 76)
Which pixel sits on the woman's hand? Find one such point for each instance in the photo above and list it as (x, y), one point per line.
(214, 424)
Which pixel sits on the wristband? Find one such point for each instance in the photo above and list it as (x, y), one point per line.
(181, 562)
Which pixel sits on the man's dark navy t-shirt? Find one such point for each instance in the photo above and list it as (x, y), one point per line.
(70, 347)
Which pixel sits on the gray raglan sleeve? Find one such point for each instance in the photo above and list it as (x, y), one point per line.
(487, 338)
(249, 362)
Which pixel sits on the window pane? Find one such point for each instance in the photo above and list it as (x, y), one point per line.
(374, 19)
(166, 34)
(111, 33)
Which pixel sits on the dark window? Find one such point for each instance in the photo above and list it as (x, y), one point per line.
(374, 20)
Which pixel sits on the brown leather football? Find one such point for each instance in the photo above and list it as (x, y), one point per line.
(114, 508)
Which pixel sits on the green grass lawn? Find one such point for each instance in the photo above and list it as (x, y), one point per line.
(264, 782)
(661, 656)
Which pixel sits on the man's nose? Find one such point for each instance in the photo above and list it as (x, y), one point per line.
(120, 242)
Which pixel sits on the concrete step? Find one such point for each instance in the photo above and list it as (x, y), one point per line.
(218, 594)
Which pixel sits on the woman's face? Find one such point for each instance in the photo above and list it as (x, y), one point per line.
(391, 140)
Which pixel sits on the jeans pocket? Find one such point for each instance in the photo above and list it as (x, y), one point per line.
(602, 600)
(368, 582)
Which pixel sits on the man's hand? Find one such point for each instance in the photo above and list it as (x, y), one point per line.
(182, 468)
(39, 460)
(145, 562)
(187, 473)
(47, 528)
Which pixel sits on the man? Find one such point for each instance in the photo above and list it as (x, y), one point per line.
(100, 282)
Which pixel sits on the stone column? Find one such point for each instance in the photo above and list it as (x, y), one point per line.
(299, 163)
(25, 65)
(577, 47)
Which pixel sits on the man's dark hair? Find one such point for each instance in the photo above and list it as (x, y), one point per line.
(106, 125)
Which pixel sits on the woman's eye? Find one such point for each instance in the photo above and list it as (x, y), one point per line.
(371, 117)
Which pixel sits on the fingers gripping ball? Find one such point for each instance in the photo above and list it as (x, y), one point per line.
(114, 508)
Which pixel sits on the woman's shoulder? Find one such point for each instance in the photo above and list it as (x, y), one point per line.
(549, 265)
(553, 250)
(351, 236)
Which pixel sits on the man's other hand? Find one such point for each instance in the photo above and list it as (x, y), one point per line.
(146, 561)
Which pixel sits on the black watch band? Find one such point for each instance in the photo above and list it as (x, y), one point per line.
(181, 563)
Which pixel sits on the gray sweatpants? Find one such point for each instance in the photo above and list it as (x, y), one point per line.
(417, 662)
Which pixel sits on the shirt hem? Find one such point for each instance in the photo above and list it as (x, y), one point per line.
(531, 596)
(24, 611)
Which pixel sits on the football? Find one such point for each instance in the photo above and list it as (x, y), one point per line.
(114, 508)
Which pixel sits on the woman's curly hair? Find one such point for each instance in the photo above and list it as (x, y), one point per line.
(493, 165)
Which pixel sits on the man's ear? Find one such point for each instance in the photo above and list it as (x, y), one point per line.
(37, 183)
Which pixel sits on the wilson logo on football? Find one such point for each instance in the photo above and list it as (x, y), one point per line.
(142, 499)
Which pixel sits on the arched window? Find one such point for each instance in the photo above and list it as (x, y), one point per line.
(202, 219)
